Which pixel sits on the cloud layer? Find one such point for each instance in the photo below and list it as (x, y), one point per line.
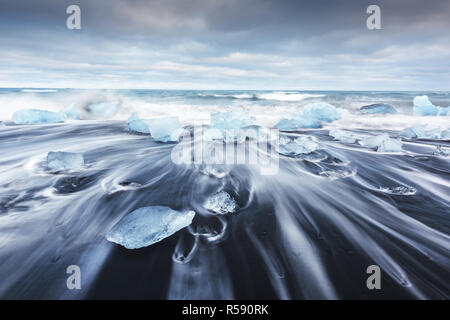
(226, 44)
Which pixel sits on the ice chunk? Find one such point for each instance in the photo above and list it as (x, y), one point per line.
(103, 109)
(64, 160)
(401, 190)
(413, 132)
(231, 120)
(322, 111)
(135, 124)
(433, 134)
(33, 116)
(377, 108)
(71, 113)
(297, 122)
(166, 129)
(1, 124)
(342, 135)
(441, 151)
(444, 111)
(301, 145)
(382, 142)
(148, 225)
(390, 145)
(221, 203)
(424, 107)
(445, 134)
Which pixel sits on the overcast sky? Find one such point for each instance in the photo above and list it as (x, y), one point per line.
(226, 44)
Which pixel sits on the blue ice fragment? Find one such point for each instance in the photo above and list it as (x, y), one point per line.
(211, 134)
(103, 109)
(231, 120)
(377, 108)
(33, 116)
(71, 113)
(342, 135)
(135, 124)
(382, 142)
(301, 145)
(297, 122)
(64, 160)
(424, 107)
(148, 225)
(1, 124)
(322, 111)
(445, 134)
(221, 203)
(444, 111)
(165, 129)
(413, 132)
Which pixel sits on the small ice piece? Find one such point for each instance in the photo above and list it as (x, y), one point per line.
(322, 111)
(445, 134)
(441, 151)
(64, 160)
(221, 203)
(1, 124)
(343, 135)
(166, 129)
(377, 108)
(211, 134)
(297, 122)
(103, 109)
(301, 145)
(135, 124)
(390, 145)
(148, 225)
(382, 142)
(231, 120)
(71, 113)
(424, 107)
(414, 132)
(433, 134)
(401, 190)
(444, 111)
(33, 116)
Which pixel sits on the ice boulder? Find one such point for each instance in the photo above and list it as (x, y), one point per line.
(444, 111)
(148, 225)
(33, 116)
(135, 124)
(166, 129)
(424, 107)
(342, 135)
(71, 113)
(64, 160)
(221, 203)
(382, 142)
(377, 108)
(231, 120)
(301, 145)
(102, 109)
(211, 134)
(322, 111)
(445, 134)
(414, 132)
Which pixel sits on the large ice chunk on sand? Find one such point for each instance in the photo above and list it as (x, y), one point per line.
(64, 160)
(231, 120)
(148, 225)
(378, 108)
(135, 124)
(33, 116)
(166, 129)
(322, 111)
(382, 142)
(414, 132)
(221, 203)
(297, 122)
(300, 145)
(445, 134)
(343, 135)
(424, 107)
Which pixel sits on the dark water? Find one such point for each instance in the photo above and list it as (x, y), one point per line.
(310, 231)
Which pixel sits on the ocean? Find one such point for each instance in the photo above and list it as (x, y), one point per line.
(307, 232)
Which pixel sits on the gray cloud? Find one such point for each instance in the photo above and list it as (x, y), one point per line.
(226, 44)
